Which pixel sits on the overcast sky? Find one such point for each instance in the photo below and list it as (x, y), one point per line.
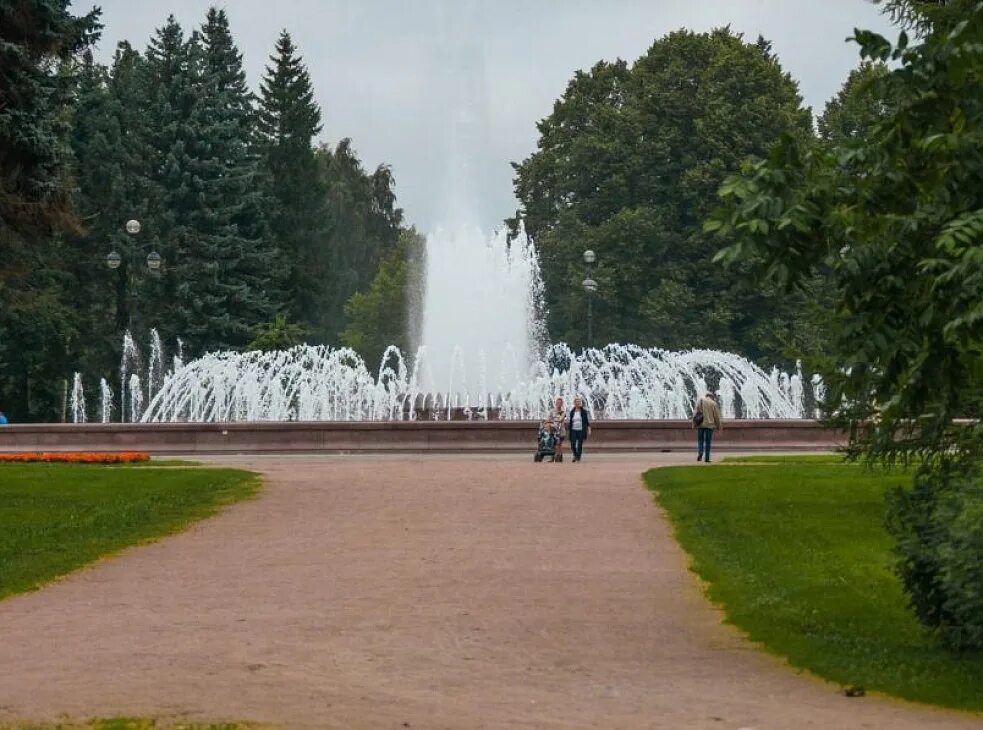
(448, 92)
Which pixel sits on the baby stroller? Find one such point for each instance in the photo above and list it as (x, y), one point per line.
(546, 444)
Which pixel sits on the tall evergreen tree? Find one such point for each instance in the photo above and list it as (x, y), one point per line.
(221, 277)
(239, 284)
(40, 42)
(289, 120)
(171, 90)
(36, 36)
(112, 169)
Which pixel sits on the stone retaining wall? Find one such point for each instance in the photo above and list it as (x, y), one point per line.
(402, 436)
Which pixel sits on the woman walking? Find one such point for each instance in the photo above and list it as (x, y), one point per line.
(559, 419)
(578, 428)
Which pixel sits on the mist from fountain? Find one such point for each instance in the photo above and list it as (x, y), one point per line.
(481, 328)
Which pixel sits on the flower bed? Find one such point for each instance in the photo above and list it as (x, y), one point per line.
(67, 457)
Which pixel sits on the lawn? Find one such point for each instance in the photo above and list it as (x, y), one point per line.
(798, 557)
(55, 518)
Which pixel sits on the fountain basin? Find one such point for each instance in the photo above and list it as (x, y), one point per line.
(405, 437)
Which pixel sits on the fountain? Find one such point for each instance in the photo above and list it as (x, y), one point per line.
(77, 403)
(481, 312)
(309, 383)
(105, 400)
(483, 355)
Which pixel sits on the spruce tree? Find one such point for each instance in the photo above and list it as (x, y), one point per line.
(221, 258)
(239, 282)
(36, 36)
(40, 45)
(112, 171)
(172, 92)
(289, 120)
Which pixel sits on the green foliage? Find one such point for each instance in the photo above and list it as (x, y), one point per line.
(112, 163)
(252, 222)
(869, 213)
(893, 221)
(56, 518)
(938, 525)
(365, 224)
(221, 279)
(41, 45)
(857, 108)
(38, 41)
(289, 120)
(627, 165)
(277, 335)
(798, 557)
(380, 316)
(924, 15)
(334, 221)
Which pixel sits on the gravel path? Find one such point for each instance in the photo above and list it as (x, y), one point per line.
(422, 593)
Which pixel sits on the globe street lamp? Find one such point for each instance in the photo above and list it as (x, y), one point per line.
(590, 286)
(114, 261)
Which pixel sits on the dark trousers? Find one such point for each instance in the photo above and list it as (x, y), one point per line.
(704, 437)
(577, 443)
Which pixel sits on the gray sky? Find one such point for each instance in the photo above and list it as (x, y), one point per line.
(448, 92)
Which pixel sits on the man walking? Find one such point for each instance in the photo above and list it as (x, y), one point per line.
(707, 420)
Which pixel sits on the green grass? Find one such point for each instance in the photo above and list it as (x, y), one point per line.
(128, 723)
(786, 459)
(164, 462)
(55, 518)
(797, 555)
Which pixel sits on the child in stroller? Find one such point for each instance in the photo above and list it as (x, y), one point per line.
(547, 442)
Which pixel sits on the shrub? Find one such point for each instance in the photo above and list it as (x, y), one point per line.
(938, 525)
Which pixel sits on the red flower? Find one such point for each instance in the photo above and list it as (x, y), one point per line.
(89, 457)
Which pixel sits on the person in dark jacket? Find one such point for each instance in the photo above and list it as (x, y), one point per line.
(578, 428)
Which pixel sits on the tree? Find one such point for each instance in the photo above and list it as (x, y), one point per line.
(627, 165)
(40, 47)
(894, 221)
(856, 109)
(382, 315)
(289, 120)
(365, 225)
(923, 15)
(112, 158)
(35, 37)
(221, 279)
(279, 334)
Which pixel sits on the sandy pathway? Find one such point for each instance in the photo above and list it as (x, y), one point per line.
(431, 593)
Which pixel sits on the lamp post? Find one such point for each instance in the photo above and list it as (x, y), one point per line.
(114, 260)
(590, 286)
